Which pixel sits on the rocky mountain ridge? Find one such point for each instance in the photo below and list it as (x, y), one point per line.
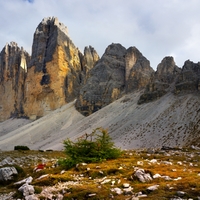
(74, 93)
(57, 73)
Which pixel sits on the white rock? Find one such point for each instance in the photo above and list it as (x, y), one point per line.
(117, 190)
(179, 178)
(92, 195)
(140, 163)
(179, 163)
(153, 161)
(156, 176)
(128, 190)
(27, 189)
(166, 162)
(26, 180)
(142, 176)
(106, 181)
(43, 176)
(180, 193)
(62, 172)
(167, 178)
(113, 182)
(126, 185)
(153, 187)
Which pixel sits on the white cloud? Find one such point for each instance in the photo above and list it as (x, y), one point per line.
(157, 28)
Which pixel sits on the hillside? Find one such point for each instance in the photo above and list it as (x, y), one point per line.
(169, 121)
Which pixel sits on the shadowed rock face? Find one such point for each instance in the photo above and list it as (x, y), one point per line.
(118, 71)
(138, 70)
(161, 81)
(13, 69)
(188, 79)
(106, 81)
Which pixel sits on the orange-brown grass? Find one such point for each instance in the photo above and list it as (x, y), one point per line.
(121, 171)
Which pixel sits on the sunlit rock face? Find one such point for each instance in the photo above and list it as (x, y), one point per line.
(56, 70)
(13, 70)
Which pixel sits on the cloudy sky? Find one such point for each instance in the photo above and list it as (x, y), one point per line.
(158, 28)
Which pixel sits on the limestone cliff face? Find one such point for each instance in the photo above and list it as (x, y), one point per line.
(55, 72)
(118, 71)
(161, 81)
(188, 79)
(138, 70)
(13, 69)
(106, 81)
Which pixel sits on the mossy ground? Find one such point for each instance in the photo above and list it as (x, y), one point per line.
(84, 180)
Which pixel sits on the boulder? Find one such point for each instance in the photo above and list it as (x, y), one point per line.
(27, 189)
(7, 173)
(7, 161)
(142, 175)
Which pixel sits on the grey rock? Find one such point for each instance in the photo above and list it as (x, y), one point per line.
(117, 190)
(105, 83)
(143, 176)
(27, 189)
(137, 71)
(7, 161)
(180, 193)
(188, 79)
(31, 197)
(6, 173)
(161, 81)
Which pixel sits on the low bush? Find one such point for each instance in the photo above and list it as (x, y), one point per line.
(94, 147)
(21, 148)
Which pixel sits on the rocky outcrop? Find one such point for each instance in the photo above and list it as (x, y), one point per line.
(138, 70)
(56, 71)
(118, 71)
(188, 79)
(161, 81)
(13, 70)
(106, 81)
(7, 173)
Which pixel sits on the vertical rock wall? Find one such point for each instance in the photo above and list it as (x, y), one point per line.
(56, 69)
(13, 70)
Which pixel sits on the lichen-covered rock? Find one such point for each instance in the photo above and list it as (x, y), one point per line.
(106, 81)
(13, 69)
(55, 73)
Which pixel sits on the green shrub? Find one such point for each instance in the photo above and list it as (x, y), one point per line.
(21, 148)
(94, 147)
